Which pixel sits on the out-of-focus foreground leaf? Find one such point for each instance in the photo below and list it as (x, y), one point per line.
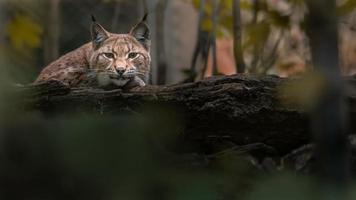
(347, 7)
(24, 32)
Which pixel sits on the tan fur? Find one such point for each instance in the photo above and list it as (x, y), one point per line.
(120, 60)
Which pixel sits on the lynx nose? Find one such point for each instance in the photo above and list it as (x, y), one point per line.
(120, 70)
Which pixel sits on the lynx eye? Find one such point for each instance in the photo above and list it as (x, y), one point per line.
(109, 55)
(133, 55)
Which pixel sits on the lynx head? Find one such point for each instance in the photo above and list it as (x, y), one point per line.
(118, 59)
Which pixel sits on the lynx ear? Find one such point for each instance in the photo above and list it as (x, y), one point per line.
(98, 34)
(142, 33)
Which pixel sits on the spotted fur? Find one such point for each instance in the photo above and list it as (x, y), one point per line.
(119, 60)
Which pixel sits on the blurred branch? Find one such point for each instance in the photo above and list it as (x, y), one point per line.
(271, 59)
(238, 53)
(199, 43)
(202, 48)
(206, 39)
(215, 16)
(256, 48)
(160, 43)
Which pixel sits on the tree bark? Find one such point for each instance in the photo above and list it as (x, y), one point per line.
(235, 109)
(328, 115)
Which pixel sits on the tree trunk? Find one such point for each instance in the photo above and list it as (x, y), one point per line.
(215, 21)
(51, 43)
(328, 117)
(115, 17)
(161, 50)
(238, 53)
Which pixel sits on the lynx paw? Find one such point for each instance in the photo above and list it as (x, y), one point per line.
(136, 82)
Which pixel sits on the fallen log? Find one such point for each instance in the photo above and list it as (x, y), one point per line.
(238, 109)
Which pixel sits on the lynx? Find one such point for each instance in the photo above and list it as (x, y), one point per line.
(116, 60)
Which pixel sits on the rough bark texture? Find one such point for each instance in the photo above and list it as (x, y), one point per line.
(242, 110)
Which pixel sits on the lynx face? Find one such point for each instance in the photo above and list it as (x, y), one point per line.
(121, 59)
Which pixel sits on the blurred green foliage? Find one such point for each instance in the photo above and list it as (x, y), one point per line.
(22, 38)
(304, 92)
(117, 157)
(347, 7)
(272, 16)
(24, 33)
(284, 186)
(127, 156)
(225, 15)
(260, 22)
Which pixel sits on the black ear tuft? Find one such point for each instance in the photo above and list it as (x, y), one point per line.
(144, 18)
(93, 18)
